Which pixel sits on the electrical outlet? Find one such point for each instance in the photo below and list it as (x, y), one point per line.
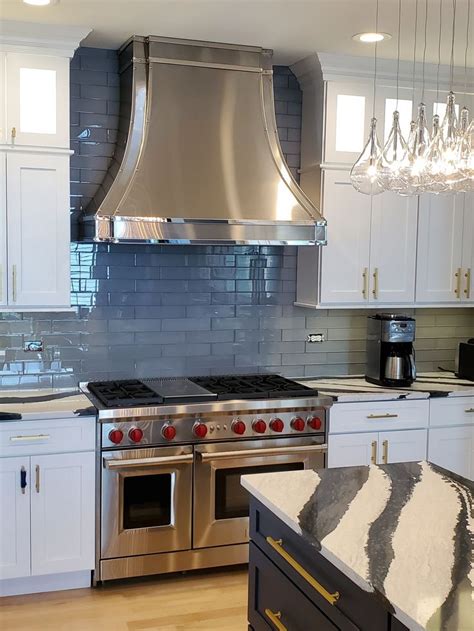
(315, 338)
(33, 346)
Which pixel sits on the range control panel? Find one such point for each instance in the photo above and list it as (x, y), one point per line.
(215, 426)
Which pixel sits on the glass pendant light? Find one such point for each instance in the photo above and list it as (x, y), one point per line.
(451, 139)
(393, 157)
(465, 153)
(366, 171)
(433, 179)
(413, 171)
(409, 187)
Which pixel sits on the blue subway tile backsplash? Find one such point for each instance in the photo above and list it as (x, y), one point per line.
(143, 310)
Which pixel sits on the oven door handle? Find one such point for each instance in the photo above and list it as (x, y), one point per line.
(118, 463)
(266, 451)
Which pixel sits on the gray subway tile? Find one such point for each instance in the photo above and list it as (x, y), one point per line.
(185, 324)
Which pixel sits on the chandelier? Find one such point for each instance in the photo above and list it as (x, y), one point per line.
(436, 160)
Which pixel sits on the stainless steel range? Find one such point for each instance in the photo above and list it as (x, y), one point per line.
(171, 453)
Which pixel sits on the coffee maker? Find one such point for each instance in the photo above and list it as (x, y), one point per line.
(390, 353)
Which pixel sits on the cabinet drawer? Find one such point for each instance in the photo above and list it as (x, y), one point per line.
(380, 416)
(451, 411)
(22, 438)
(273, 597)
(357, 606)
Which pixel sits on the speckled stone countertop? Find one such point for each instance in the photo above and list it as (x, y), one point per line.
(403, 531)
(356, 388)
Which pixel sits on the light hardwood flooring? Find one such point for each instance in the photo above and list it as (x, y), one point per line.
(199, 601)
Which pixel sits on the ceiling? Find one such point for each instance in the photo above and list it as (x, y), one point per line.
(293, 28)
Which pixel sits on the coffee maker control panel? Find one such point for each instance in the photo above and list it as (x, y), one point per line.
(398, 331)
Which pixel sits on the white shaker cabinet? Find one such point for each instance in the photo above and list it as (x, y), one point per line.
(467, 264)
(38, 230)
(453, 448)
(15, 517)
(62, 513)
(370, 258)
(404, 446)
(351, 450)
(3, 230)
(37, 100)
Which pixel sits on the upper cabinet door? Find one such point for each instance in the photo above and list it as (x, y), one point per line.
(348, 114)
(37, 100)
(468, 249)
(440, 237)
(3, 61)
(393, 249)
(38, 230)
(345, 260)
(3, 230)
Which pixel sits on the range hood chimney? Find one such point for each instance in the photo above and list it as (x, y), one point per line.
(198, 158)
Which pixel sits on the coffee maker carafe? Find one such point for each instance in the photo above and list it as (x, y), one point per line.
(390, 352)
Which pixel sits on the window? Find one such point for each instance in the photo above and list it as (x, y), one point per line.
(37, 101)
(350, 118)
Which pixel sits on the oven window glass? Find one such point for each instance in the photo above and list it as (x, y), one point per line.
(231, 498)
(147, 501)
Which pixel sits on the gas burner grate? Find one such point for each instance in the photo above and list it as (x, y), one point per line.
(253, 387)
(124, 393)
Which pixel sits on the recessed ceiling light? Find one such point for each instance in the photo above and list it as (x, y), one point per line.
(40, 3)
(371, 38)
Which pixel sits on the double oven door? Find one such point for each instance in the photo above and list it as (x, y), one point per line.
(146, 505)
(221, 504)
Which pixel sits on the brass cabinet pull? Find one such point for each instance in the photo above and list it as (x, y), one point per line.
(373, 416)
(275, 619)
(364, 282)
(373, 457)
(13, 134)
(37, 478)
(277, 545)
(19, 439)
(467, 275)
(14, 282)
(375, 290)
(385, 452)
(469, 411)
(457, 289)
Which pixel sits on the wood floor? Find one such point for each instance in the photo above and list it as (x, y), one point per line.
(199, 601)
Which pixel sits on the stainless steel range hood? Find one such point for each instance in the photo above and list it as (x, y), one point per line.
(198, 158)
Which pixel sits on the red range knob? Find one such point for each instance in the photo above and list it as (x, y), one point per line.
(259, 426)
(116, 436)
(238, 427)
(298, 424)
(200, 430)
(314, 422)
(168, 432)
(135, 434)
(277, 425)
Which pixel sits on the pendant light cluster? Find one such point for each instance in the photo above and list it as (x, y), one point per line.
(440, 160)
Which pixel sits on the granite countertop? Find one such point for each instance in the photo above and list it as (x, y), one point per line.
(44, 403)
(356, 388)
(403, 531)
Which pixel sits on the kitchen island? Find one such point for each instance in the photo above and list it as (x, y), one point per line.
(379, 547)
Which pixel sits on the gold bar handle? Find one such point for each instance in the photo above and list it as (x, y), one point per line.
(375, 290)
(275, 619)
(14, 282)
(365, 283)
(37, 478)
(467, 276)
(277, 545)
(374, 416)
(457, 289)
(13, 135)
(469, 411)
(385, 452)
(373, 457)
(21, 439)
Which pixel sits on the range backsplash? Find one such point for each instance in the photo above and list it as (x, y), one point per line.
(180, 310)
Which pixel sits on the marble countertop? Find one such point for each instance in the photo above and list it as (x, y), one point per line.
(403, 531)
(44, 403)
(356, 388)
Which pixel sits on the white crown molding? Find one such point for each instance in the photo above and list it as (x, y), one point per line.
(336, 67)
(41, 39)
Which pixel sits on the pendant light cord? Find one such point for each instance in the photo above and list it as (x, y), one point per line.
(375, 55)
(467, 46)
(424, 53)
(451, 79)
(414, 47)
(398, 47)
(439, 52)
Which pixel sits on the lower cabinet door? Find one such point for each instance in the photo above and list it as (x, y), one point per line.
(15, 517)
(276, 603)
(62, 513)
(350, 450)
(453, 449)
(405, 446)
